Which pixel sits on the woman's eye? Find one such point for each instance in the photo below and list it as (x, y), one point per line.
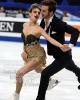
(36, 12)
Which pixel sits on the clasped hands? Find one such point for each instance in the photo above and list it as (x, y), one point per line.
(65, 47)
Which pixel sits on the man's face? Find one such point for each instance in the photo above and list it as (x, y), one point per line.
(44, 11)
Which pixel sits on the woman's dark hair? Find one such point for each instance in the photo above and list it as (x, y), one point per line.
(52, 4)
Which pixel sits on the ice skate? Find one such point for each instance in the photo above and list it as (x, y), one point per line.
(52, 83)
(79, 83)
(15, 96)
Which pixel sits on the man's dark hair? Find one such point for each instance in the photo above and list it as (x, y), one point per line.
(52, 4)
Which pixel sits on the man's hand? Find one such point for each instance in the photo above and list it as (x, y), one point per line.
(65, 47)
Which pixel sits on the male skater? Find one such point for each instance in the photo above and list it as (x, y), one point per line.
(56, 28)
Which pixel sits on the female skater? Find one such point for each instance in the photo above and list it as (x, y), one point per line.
(33, 55)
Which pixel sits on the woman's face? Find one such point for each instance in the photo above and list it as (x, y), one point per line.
(35, 14)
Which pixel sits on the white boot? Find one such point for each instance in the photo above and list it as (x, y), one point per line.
(15, 96)
(52, 83)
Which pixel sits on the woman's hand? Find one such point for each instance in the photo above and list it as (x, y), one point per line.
(65, 47)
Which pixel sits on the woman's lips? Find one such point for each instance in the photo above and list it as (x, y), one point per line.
(36, 17)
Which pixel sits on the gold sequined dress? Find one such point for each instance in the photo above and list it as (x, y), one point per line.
(33, 50)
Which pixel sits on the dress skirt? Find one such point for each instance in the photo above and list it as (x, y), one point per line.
(34, 52)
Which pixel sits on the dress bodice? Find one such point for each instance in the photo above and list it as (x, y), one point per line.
(29, 39)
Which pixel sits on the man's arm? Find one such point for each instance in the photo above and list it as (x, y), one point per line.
(74, 34)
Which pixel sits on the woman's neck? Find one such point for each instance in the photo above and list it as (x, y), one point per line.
(32, 22)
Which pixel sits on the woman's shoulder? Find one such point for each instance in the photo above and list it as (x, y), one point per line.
(39, 27)
(25, 24)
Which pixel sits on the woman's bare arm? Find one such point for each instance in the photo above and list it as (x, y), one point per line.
(63, 47)
(51, 40)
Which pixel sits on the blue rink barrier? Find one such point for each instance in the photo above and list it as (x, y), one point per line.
(11, 29)
(18, 39)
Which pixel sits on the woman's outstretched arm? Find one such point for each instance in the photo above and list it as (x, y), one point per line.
(63, 47)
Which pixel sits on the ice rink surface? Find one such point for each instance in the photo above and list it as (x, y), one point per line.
(10, 61)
